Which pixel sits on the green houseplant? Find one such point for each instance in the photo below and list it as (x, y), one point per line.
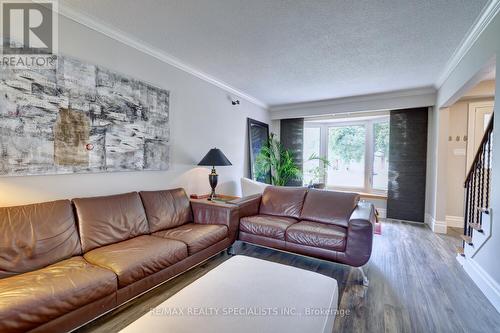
(318, 173)
(273, 156)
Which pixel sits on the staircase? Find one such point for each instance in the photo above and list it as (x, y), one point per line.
(477, 217)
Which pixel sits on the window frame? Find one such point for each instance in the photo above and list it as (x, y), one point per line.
(369, 150)
(320, 153)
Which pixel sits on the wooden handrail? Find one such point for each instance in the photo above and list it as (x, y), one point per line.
(486, 135)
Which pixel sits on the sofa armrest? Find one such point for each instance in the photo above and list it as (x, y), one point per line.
(216, 213)
(364, 213)
(248, 206)
(360, 234)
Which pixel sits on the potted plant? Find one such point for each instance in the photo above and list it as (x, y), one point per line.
(318, 173)
(273, 156)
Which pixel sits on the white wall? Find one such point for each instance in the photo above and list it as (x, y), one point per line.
(202, 117)
(437, 145)
(275, 127)
(485, 89)
(456, 159)
(430, 185)
(431, 161)
(486, 48)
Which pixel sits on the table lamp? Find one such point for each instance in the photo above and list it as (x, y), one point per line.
(214, 158)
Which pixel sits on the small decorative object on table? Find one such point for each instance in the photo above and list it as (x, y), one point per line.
(215, 157)
(218, 197)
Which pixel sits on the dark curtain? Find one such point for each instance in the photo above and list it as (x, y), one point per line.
(407, 164)
(292, 138)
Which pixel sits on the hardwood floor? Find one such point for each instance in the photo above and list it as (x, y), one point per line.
(455, 232)
(416, 285)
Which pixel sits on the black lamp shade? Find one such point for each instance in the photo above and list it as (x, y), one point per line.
(215, 157)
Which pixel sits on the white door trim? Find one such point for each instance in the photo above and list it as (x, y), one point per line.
(471, 126)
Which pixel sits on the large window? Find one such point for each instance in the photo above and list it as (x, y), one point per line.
(348, 153)
(311, 151)
(380, 155)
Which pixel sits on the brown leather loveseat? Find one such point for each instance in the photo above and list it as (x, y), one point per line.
(327, 225)
(65, 263)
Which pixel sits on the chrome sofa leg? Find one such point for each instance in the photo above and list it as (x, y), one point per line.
(366, 282)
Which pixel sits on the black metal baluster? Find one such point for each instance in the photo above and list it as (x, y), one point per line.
(473, 220)
(469, 217)
(480, 188)
(488, 172)
(471, 206)
(466, 212)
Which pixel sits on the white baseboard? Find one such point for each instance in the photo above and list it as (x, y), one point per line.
(439, 227)
(483, 280)
(427, 219)
(455, 221)
(382, 213)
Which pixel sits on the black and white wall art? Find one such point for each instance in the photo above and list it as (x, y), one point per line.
(80, 118)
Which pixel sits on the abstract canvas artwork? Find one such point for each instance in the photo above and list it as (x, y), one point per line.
(80, 118)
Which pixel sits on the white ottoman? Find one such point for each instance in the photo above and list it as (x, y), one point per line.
(245, 294)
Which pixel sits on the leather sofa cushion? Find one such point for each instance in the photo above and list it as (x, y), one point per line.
(282, 201)
(196, 236)
(35, 236)
(136, 258)
(30, 299)
(329, 206)
(317, 234)
(266, 225)
(111, 219)
(166, 209)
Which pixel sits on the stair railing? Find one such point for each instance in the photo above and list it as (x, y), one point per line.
(478, 185)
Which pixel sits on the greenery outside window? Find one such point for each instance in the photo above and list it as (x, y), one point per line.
(357, 150)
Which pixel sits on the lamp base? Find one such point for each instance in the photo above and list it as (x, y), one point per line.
(212, 196)
(213, 178)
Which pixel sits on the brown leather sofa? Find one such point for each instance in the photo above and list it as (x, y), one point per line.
(65, 263)
(327, 225)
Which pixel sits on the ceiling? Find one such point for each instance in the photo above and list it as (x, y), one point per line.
(282, 52)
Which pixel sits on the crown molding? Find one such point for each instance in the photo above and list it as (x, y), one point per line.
(403, 99)
(116, 34)
(484, 19)
(351, 99)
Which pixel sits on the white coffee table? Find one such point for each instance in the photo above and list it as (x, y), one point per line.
(245, 294)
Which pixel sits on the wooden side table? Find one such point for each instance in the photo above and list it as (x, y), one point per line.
(220, 199)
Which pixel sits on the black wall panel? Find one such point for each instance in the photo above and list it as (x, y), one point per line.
(292, 138)
(407, 164)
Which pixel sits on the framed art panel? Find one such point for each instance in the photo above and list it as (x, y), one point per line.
(258, 136)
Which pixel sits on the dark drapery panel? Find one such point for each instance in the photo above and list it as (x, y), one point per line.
(407, 164)
(292, 138)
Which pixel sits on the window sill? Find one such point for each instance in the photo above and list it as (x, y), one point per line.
(373, 196)
(365, 195)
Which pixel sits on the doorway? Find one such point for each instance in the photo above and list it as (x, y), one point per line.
(479, 117)
(467, 120)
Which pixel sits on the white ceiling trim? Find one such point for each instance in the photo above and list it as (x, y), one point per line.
(487, 15)
(124, 38)
(410, 98)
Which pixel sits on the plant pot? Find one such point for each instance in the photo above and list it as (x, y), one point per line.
(320, 186)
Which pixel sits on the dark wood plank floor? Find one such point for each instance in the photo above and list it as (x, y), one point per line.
(416, 285)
